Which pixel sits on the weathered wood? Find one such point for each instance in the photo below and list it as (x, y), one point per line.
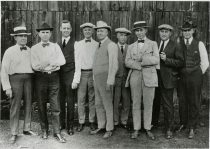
(43, 5)
(114, 6)
(159, 5)
(33, 5)
(171, 6)
(53, 6)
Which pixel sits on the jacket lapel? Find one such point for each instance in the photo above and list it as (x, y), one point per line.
(146, 44)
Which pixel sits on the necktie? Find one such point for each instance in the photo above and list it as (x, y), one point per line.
(187, 43)
(64, 43)
(45, 44)
(162, 47)
(23, 48)
(99, 44)
(88, 40)
(140, 41)
(122, 49)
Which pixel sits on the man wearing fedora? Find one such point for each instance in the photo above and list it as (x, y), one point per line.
(66, 93)
(196, 63)
(46, 59)
(142, 58)
(120, 91)
(105, 66)
(83, 76)
(171, 59)
(16, 78)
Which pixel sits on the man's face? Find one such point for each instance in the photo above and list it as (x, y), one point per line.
(88, 32)
(141, 33)
(122, 38)
(164, 34)
(65, 29)
(102, 33)
(21, 40)
(188, 33)
(45, 35)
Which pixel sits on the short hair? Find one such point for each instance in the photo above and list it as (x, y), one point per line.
(65, 21)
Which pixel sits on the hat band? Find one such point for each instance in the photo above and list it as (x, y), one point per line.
(140, 25)
(20, 31)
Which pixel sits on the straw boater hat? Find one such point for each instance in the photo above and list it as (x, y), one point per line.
(166, 27)
(187, 25)
(44, 26)
(87, 25)
(102, 24)
(20, 30)
(122, 30)
(140, 24)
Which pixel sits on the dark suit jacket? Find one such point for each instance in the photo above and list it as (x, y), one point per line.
(169, 67)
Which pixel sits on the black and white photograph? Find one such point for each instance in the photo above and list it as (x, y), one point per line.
(104, 74)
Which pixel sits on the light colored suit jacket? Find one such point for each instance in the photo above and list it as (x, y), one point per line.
(145, 59)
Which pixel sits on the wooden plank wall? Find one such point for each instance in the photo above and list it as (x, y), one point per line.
(115, 13)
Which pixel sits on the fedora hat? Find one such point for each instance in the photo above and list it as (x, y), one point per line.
(102, 24)
(44, 26)
(87, 25)
(187, 25)
(122, 30)
(140, 24)
(20, 30)
(165, 26)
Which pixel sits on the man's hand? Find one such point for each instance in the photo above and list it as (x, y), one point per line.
(163, 56)
(44, 65)
(74, 85)
(9, 93)
(109, 87)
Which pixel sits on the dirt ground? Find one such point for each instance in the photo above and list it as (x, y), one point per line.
(119, 140)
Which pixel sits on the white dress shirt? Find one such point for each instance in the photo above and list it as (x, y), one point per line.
(66, 39)
(165, 44)
(15, 61)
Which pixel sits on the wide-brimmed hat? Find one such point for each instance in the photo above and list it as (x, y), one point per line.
(87, 24)
(102, 24)
(122, 30)
(165, 26)
(44, 26)
(20, 30)
(140, 24)
(187, 25)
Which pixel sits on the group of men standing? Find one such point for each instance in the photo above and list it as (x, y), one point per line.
(104, 72)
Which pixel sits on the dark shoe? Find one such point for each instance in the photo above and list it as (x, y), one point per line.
(181, 128)
(125, 126)
(191, 134)
(63, 127)
(169, 134)
(92, 127)
(150, 135)
(80, 127)
(97, 131)
(13, 139)
(71, 131)
(135, 134)
(44, 135)
(59, 138)
(107, 134)
(30, 133)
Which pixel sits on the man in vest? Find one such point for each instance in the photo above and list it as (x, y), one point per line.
(46, 59)
(67, 94)
(142, 58)
(16, 79)
(105, 66)
(83, 76)
(196, 63)
(171, 59)
(120, 91)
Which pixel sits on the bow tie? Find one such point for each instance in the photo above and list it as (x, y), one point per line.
(23, 48)
(45, 44)
(140, 41)
(88, 40)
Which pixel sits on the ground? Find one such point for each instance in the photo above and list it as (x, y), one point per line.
(119, 140)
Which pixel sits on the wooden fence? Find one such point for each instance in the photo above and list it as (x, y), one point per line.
(115, 13)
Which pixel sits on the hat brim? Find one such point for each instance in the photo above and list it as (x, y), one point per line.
(165, 28)
(140, 27)
(20, 34)
(107, 27)
(128, 33)
(41, 29)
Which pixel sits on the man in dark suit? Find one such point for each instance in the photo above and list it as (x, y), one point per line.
(67, 94)
(171, 58)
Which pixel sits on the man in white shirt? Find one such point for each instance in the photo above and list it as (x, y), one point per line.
(83, 76)
(16, 78)
(196, 63)
(46, 59)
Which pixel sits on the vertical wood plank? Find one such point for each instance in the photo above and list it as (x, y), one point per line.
(33, 5)
(95, 5)
(43, 5)
(113, 6)
(159, 5)
(53, 6)
(34, 26)
(139, 5)
(115, 23)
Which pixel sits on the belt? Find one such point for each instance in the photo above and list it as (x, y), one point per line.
(86, 69)
(48, 73)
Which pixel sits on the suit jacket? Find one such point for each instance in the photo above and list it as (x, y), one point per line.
(169, 67)
(144, 60)
(68, 53)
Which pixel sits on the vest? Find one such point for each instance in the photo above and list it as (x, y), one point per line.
(101, 59)
(192, 56)
(122, 70)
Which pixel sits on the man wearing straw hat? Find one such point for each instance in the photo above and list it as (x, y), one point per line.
(83, 76)
(120, 91)
(105, 66)
(46, 59)
(16, 78)
(142, 58)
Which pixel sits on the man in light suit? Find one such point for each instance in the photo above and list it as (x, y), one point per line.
(171, 58)
(142, 58)
(120, 91)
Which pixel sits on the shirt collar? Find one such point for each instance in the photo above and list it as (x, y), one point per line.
(102, 41)
(190, 40)
(121, 45)
(45, 42)
(67, 39)
(91, 39)
(165, 42)
(142, 39)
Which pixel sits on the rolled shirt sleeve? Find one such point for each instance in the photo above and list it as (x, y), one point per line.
(4, 71)
(204, 64)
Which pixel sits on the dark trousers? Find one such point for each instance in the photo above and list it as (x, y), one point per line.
(189, 93)
(67, 95)
(47, 88)
(21, 86)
